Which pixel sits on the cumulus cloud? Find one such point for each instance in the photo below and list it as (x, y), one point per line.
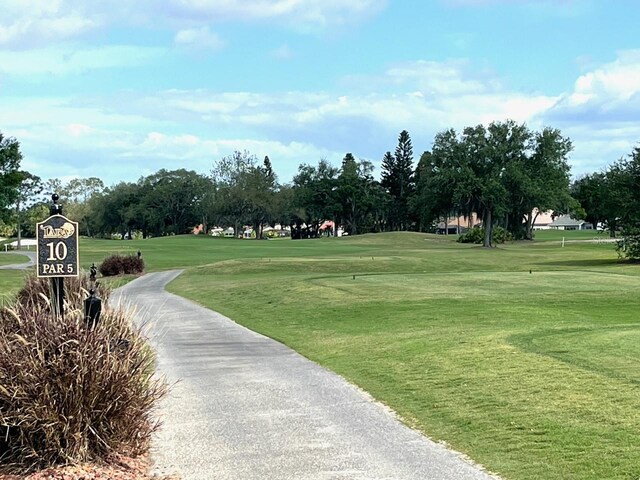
(602, 112)
(192, 128)
(28, 23)
(199, 39)
(611, 89)
(298, 13)
(424, 98)
(431, 78)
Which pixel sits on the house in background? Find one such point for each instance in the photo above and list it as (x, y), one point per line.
(543, 220)
(458, 225)
(565, 222)
(448, 229)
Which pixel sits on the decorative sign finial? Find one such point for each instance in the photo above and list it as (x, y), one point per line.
(55, 208)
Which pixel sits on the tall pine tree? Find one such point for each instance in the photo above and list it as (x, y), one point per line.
(397, 179)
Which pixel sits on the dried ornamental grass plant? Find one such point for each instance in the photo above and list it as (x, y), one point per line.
(69, 394)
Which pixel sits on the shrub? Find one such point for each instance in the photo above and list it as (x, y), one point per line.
(476, 235)
(629, 246)
(501, 235)
(121, 264)
(132, 264)
(69, 394)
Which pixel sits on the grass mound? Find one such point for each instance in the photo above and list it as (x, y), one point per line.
(69, 394)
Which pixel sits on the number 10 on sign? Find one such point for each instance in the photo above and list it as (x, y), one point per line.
(57, 251)
(57, 247)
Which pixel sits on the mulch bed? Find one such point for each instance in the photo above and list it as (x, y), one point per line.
(119, 467)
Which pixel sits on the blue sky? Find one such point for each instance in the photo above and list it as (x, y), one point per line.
(120, 89)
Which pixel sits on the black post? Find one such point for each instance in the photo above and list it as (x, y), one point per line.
(92, 309)
(57, 297)
(92, 304)
(57, 283)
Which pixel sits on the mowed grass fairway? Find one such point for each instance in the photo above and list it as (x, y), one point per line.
(12, 258)
(534, 375)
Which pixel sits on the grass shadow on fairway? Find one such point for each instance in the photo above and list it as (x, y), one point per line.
(585, 263)
(612, 351)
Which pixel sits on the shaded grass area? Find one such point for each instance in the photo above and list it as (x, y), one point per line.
(534, 375)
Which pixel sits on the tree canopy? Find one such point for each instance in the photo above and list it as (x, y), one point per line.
(10, 174)
(502, 174)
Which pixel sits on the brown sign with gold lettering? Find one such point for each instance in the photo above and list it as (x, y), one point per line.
(57, 240)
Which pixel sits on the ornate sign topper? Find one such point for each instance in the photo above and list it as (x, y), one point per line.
(57, 238)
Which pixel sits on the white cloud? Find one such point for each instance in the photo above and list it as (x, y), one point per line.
(283, 52)
(130, 134)
(431, 78)
(302, 14)
(609, 85)
(28, 23)
(602, 112)
(199, 39)
(71, 60)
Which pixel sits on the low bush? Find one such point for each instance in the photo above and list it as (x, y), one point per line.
(121, 264)
(629, 246)
(476, 235)
(501, 235)
(70, 394)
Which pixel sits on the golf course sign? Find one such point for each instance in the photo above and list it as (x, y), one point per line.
(57, 239)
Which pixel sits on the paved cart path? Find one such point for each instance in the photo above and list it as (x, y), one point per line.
(247, 407)
(20, 266)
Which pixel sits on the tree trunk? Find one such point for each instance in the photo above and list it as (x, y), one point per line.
(19, 225)
(528, 234)
(205, 227)
(488, 228)
(354, 226)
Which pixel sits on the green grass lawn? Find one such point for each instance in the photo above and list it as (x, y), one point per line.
(10, 282)
(557, 235)
(525, 357)
(534, 375)
(11, 258)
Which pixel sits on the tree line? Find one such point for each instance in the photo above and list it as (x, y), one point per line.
(504, 174)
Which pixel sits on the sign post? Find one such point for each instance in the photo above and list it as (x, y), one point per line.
(57, 253)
